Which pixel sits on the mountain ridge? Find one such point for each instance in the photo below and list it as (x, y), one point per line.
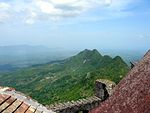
(70, 79)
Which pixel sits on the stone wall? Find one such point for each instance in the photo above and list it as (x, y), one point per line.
(103, 88)
(75, 106)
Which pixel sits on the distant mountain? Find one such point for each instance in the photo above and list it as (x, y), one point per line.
(18, 56)
(127, 55)
(69, 79)
(21, 49)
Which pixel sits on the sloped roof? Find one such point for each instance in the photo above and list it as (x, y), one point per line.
(132, 94)
(12, 101)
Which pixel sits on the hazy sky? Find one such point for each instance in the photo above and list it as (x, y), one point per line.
(115, 24)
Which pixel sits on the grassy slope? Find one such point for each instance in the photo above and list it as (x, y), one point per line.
(70, 79)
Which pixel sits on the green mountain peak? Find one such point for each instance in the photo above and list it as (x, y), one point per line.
(118, 59)
(89, 53)
(67, 79)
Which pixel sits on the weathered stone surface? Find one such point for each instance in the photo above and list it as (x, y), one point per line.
(101, 91)
(107, 85)
(75, 106)
(132, 94)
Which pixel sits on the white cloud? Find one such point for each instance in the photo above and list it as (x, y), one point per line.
(4, 6)
(36, 10)
(47, 7)
(4, 14)
(30, 18)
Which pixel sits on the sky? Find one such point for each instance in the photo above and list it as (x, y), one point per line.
(75, 24)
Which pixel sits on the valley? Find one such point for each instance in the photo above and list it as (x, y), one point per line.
(64, 80)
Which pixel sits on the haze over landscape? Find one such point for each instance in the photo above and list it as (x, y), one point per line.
(55, 50)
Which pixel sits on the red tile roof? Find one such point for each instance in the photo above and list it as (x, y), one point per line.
(12, 101)
(132, 94)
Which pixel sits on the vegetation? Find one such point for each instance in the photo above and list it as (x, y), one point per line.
(65, 80)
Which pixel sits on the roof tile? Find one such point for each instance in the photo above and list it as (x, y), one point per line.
(132, 94)
(24, 107)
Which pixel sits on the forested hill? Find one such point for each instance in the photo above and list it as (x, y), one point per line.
(69, 79)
